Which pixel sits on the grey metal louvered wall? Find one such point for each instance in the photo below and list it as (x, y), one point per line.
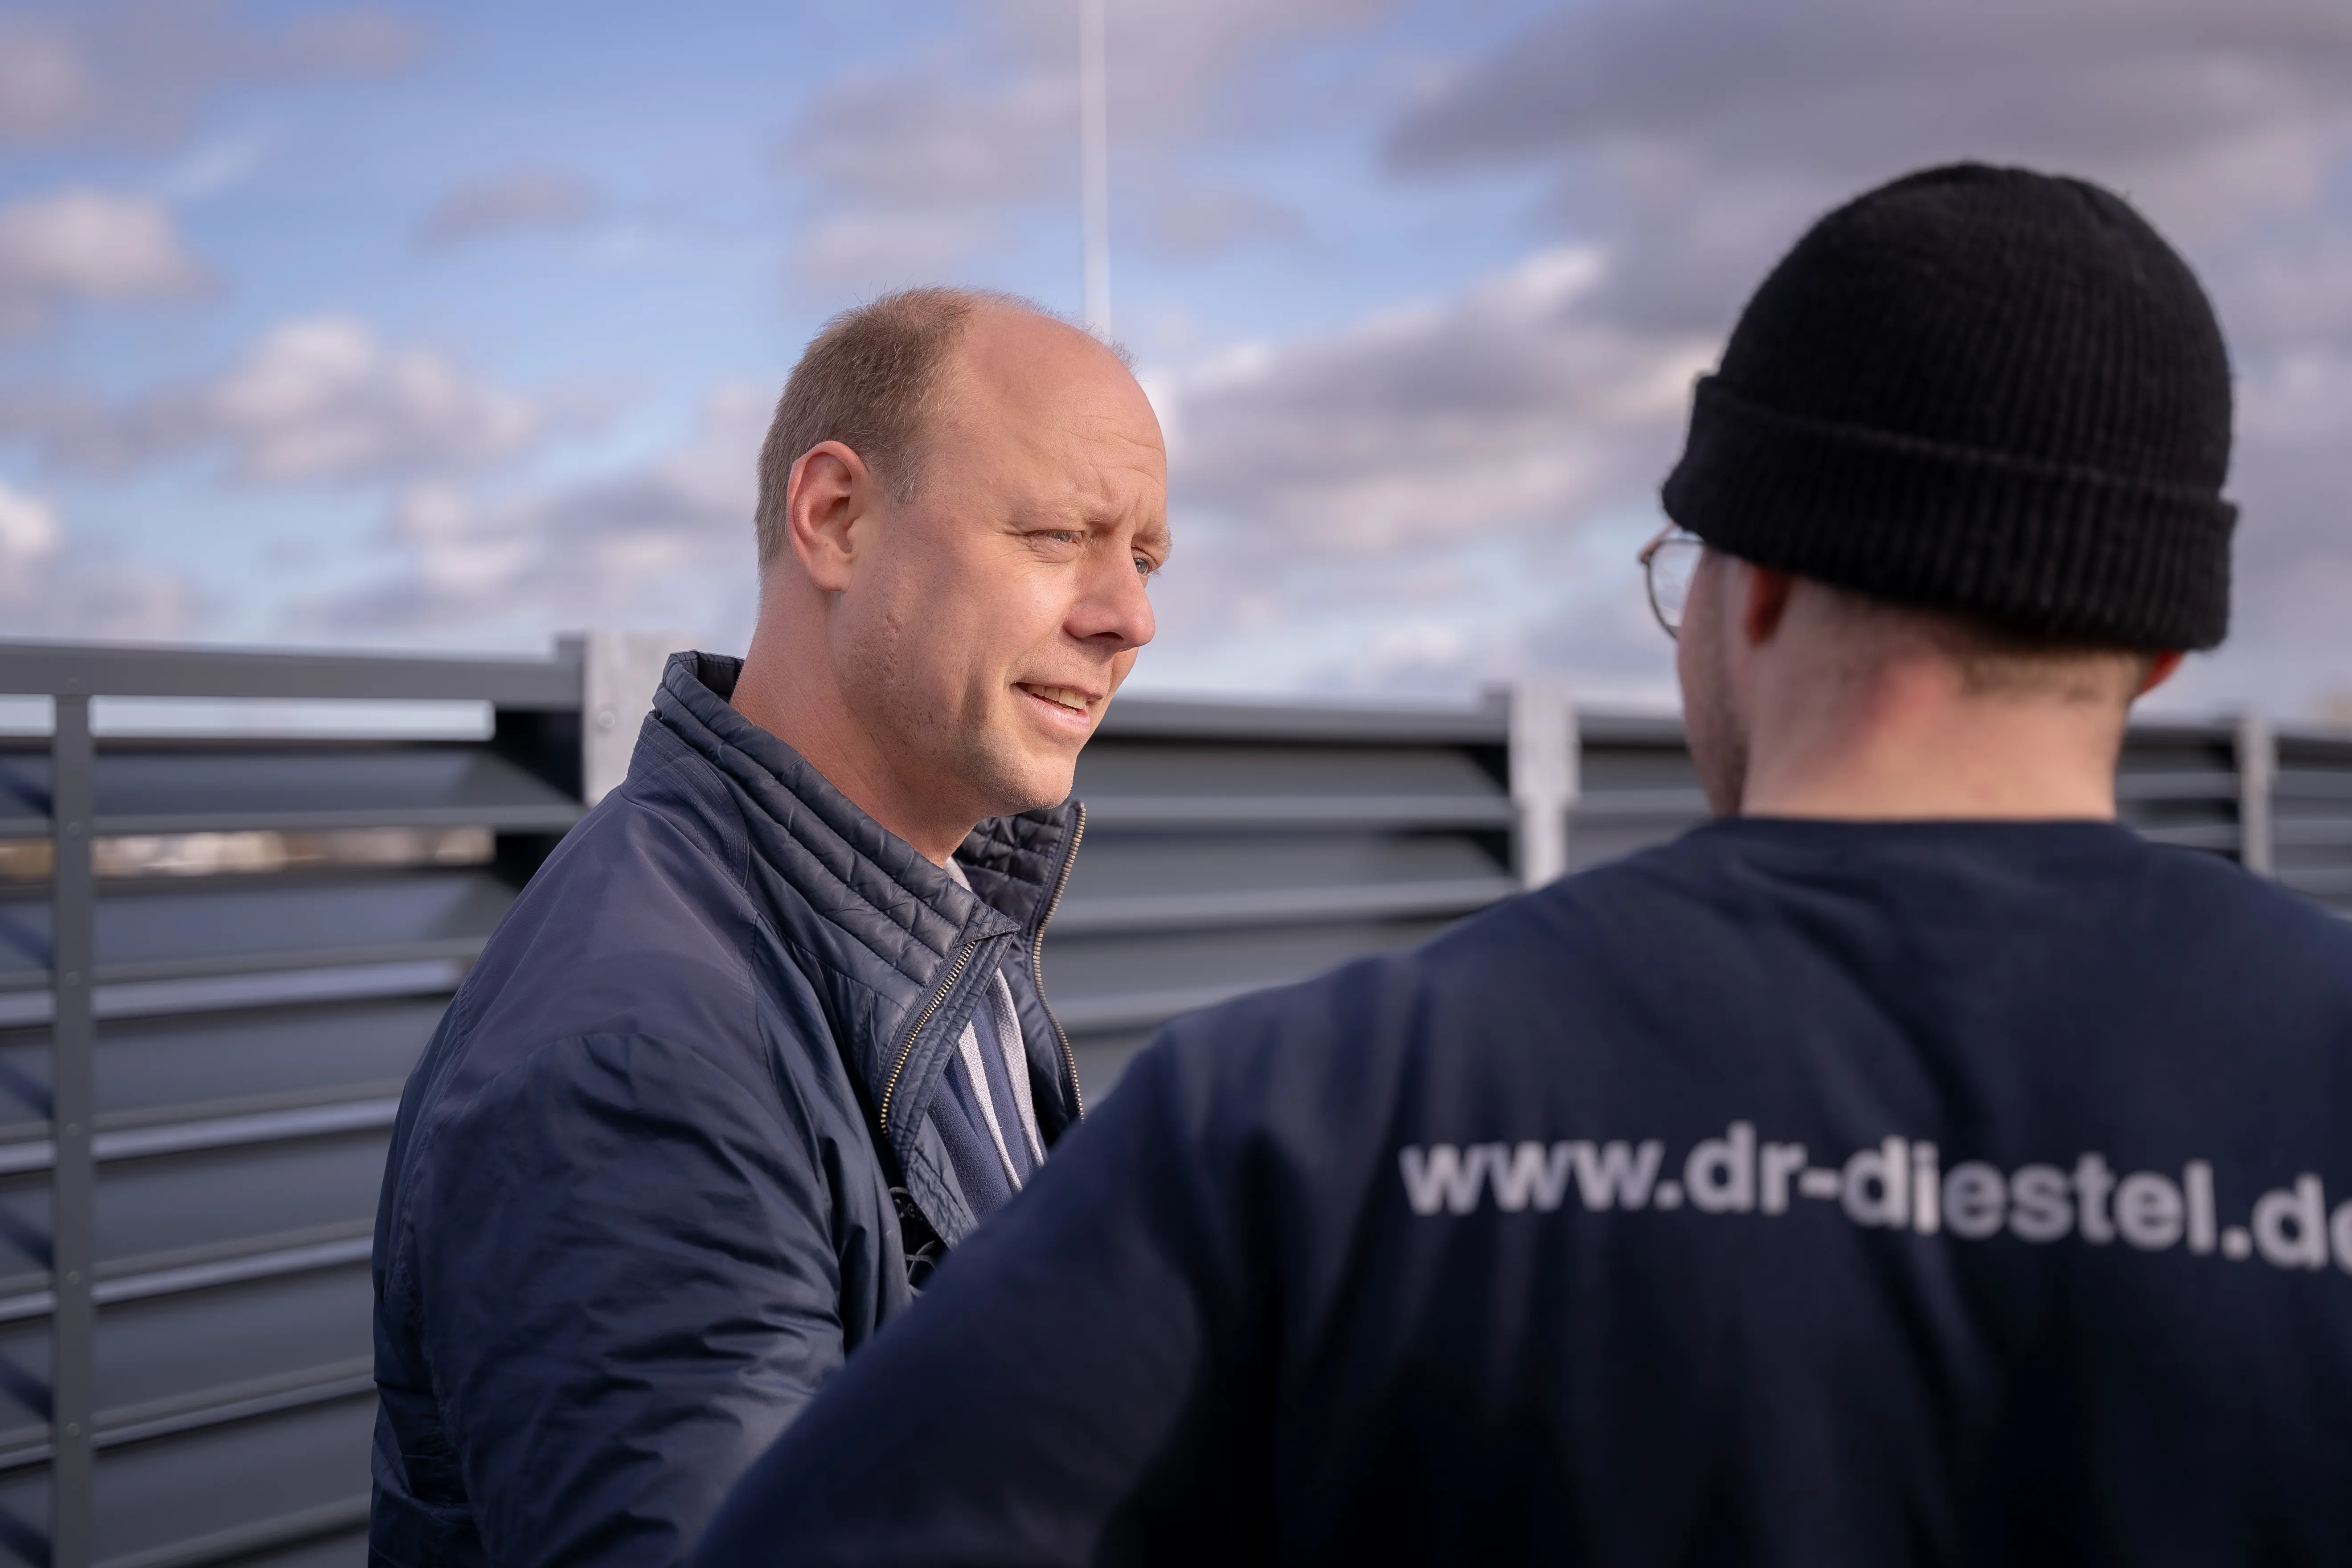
(197, 1079)
(198, 1071)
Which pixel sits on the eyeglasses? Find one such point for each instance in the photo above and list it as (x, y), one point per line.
(1669, 561)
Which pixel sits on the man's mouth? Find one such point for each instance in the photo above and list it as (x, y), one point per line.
(1060, 696)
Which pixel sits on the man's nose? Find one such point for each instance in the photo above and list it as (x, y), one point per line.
(1113, 607)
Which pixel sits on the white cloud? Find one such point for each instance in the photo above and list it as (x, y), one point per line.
(83, 245)
(47, 589)
(318, 399)
(141, 70)
(1511, 404)
(912, 173)
(220, 164)
(1700, 135)
(667, 545)
(28, 529)
(1438, 494)
(1435, 494)
(2112, 82)
(536, 198)
(324, 398)
(1691, 141)
(913, 176)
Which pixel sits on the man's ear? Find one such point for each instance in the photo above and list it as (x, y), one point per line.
(829, 492)
(2161, 668)
(1764, 600)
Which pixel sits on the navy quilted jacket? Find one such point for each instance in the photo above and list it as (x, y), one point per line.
(639, 1201)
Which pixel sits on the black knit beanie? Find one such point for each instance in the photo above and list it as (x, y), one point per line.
(1984, 390)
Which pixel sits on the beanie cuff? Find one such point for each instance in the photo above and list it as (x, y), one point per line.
(2053, 549)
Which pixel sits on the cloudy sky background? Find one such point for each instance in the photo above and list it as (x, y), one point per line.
(456, 325)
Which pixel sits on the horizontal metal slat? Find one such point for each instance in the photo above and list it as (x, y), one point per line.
(111, 1289)
(168, 928)
(219, 1132)
(1179, 718)
(1296, 811)
(2217, 786)
(2308, 784)
(1638, 805)
(444, 950)
(1161, 912)
(436, 949)
(524, 684)
(1142, 1009)
(268, 1535)
(211, 994)
(2309, 833)
(1606, 729)
(2194, 835)
(234, 1271)
(218, 1407)
(553, 816)
(212, 1407)
(548, 817)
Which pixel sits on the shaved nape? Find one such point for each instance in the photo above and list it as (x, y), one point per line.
(1993, 660)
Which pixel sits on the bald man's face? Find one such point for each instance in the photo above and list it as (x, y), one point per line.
(982, 638)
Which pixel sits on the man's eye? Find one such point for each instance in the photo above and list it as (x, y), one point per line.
(1144, 566)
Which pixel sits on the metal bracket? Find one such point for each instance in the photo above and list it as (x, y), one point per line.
(2257, 749)
(1545, 776)
(73, 1179)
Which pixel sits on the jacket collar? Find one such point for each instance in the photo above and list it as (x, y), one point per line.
(877, 928)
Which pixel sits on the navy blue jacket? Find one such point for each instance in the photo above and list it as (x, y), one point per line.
(1798, 1193)
(639, 1202)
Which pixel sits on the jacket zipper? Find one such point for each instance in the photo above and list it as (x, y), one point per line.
(1037, 973)
(938, 996)
(1037, 965)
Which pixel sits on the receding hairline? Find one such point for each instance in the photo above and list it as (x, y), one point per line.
(871, 379)
(964, 366)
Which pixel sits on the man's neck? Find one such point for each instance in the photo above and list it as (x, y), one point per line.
(1912, 747)
(790, 693)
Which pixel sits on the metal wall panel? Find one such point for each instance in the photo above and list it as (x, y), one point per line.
(2311, 817)
(200, 1058)
(1235, 847)
(273, 930)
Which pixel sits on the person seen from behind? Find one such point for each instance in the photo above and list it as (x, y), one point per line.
(768, 1031)
(1912, 1165)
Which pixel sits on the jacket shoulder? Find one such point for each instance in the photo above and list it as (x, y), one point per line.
(637, 925)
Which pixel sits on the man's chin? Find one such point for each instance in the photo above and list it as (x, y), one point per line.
(1029, 784)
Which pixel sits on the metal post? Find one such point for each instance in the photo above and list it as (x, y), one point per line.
(73, 792)
(2257, 748)
(1545, 775)
(619, 674)
(1094, 164)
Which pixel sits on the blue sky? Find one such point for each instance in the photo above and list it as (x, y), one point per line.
(456, 326)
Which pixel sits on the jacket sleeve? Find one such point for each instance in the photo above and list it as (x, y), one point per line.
(626, 1288)
(1078, 1380)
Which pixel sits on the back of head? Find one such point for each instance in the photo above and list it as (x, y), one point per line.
(1986, 391)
